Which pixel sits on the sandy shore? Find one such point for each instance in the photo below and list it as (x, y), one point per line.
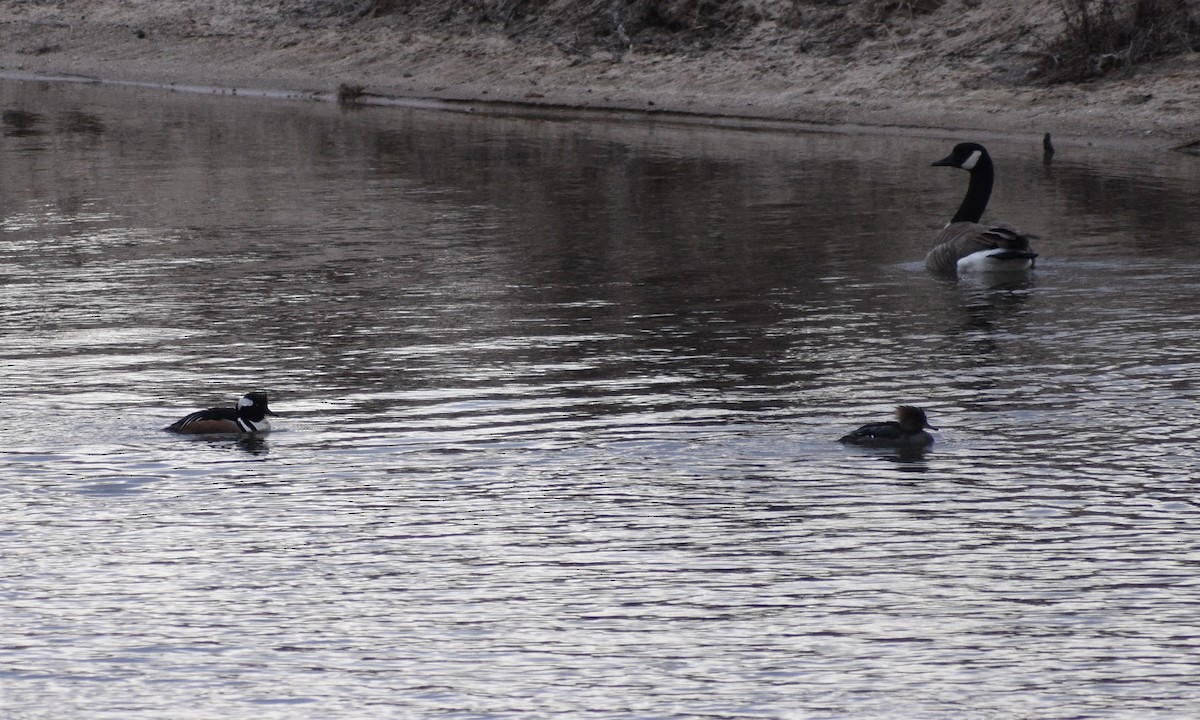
(955, 70)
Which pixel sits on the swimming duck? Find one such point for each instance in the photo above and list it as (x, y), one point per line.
(966, 245)
(906, 431)
(248, 416)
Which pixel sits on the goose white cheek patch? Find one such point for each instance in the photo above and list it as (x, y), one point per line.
(969, 163)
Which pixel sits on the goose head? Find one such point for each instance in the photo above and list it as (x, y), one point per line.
(974, 159)
(966, 156)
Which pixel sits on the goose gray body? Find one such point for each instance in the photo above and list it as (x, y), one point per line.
(966, 245)
(969, 246)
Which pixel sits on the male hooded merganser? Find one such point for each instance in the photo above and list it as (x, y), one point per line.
(965, 245)
(906, 431)
(248, 416)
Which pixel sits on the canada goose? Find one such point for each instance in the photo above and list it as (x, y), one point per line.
(906, 431)
(966, 245)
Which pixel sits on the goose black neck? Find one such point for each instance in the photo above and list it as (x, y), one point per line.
(978, 192)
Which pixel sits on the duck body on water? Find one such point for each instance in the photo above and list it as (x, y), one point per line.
(249, 415)
(908, 431)
(965, 245)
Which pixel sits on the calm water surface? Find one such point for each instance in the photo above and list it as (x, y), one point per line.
(560, 407)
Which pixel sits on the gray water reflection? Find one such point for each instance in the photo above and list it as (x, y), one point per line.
(560, 407)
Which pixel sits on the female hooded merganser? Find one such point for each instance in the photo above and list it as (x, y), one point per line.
(965, 244)
(248, 416)
(906, 431)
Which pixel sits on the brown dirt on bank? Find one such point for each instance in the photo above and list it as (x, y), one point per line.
(946, 64)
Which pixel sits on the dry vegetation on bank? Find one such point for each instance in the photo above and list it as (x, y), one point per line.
(1117, 66)
(1103, 36)
(1093, 37)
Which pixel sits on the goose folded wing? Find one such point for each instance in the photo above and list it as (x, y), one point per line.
(960, 240)
(957, 241)
(1007, 237)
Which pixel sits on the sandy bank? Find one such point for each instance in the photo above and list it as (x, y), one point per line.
(957, 69)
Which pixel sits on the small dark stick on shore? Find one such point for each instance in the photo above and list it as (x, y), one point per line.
(350, 94)
(1047, 149)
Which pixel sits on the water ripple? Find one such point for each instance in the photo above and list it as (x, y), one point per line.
(563, 444)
